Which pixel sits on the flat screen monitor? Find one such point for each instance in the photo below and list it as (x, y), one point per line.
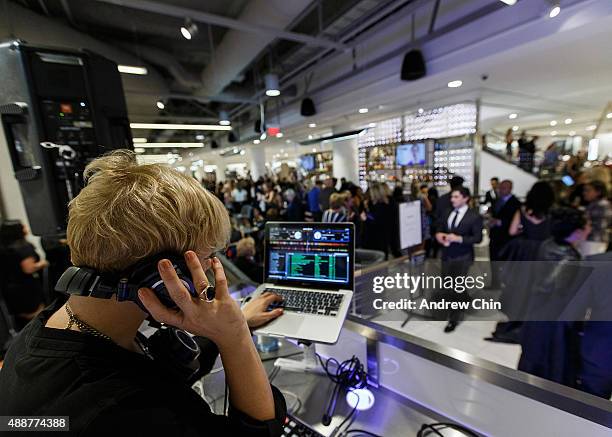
(411, 154)
(410, 224)
(308, 162)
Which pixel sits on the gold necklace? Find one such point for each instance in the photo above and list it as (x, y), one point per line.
(83, 327)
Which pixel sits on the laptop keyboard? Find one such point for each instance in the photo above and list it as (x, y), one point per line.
(308, 302)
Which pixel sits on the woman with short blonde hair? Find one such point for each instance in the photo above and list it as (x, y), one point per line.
(128, 212)
(82, 356)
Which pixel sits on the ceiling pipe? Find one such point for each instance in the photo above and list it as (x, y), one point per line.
(386, 15)
(237, 49)
(165, 60)
(259, 27)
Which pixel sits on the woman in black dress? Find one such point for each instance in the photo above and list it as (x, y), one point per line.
(532, 221)
(21, 273)
(531, 227)
(381, 227)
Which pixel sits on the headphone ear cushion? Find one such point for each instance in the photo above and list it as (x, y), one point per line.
(151, 279)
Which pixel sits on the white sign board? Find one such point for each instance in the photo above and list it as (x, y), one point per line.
(411, 228)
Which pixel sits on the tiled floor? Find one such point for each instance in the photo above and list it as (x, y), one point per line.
(468, 337)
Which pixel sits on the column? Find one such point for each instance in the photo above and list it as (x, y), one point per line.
(257, 161)
(346, 160)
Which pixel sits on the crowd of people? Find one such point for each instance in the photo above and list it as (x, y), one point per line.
(374, 212)
(552, 222)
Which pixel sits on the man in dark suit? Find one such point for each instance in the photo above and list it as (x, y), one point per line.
(457, 233)
(443, 204)
(491, 196)
(499, 226)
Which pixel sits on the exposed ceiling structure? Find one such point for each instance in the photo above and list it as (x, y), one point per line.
(345, 54)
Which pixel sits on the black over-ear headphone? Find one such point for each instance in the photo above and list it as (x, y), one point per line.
(171, 347)
(84, 281)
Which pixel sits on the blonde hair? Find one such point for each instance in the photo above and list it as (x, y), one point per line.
(127, 212)
(378, 193)
(245, 247)
(337, 200)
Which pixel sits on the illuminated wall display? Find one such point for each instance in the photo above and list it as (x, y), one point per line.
(448, 121)
(441, 137)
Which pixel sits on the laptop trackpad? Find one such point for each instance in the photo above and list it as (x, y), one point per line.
(286, 324)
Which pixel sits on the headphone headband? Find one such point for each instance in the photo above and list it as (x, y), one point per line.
(85, 281)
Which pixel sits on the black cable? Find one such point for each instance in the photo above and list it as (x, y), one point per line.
(361, 431)
(351, 418)
(434, 427)
(348, 374)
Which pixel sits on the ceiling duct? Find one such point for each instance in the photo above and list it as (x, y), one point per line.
(335, 137)
(166, 61)
(238, 49)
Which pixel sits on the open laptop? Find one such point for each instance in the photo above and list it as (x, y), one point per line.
(311, 266)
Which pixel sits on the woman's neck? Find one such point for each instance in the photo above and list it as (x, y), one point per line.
(118, 320)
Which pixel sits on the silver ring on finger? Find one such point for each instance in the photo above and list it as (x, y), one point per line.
(208, 294)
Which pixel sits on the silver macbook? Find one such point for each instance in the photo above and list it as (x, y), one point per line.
(311, 266)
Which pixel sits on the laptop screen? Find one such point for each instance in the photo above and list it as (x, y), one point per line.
(318, 255)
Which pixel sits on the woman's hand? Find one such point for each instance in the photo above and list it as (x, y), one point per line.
(256, 311)
(219, 320)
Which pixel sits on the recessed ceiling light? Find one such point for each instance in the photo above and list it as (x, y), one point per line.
(455, 84)
(310, 137)
(256, 141)
(568, 121)
(189, 29)
(553, 123)
(555, 10)
(609, 115)
(553, 133)
(515, 128)
(312, 125)
(171, 145)
(171, 126)
(421, 110)
(572, 133)
(279, 135)
(509, 2)
(139, 140)
(363, 110)
(288, 141)
(131, 69)
(591, 127)
(160, 104)
(372, 125)
(314, 150)
(199, 137)
(513, 116)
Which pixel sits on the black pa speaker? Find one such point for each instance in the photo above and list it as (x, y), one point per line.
(413, 67)
(308, 107)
